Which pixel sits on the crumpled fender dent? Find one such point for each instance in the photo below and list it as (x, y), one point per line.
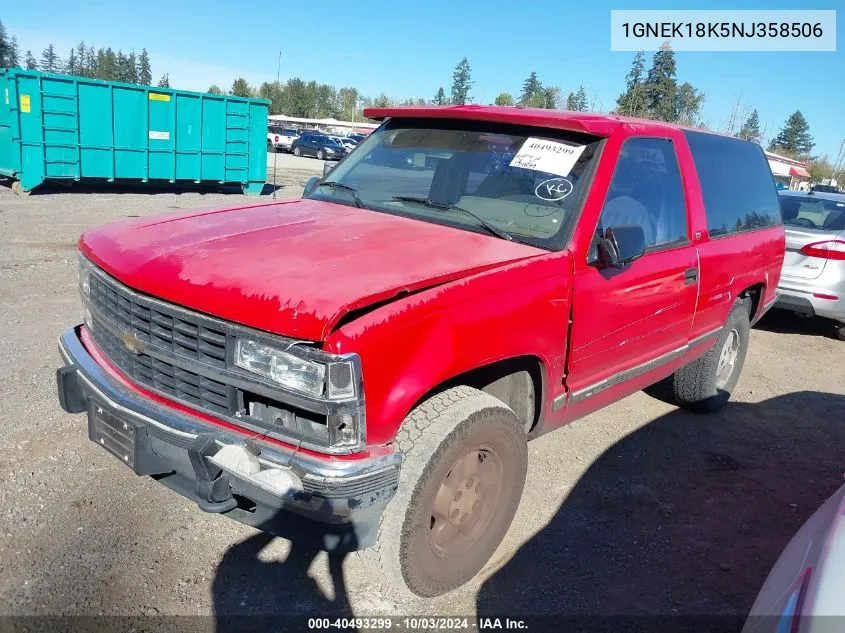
(415, 342)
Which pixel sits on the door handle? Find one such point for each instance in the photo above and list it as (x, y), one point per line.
(690, 276)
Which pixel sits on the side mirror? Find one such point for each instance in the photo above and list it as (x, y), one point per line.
(621, 245)
(310, 186)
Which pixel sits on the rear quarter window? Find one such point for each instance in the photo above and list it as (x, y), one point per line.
(736, 183)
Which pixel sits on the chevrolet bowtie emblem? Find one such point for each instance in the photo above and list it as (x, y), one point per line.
(132, 342)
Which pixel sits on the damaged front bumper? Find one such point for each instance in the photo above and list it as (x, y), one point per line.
(282, 491)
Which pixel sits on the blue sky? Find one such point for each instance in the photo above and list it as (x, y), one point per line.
(409, 49)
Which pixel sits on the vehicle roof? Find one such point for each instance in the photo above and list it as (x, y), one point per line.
(588, 122)
(824, 195)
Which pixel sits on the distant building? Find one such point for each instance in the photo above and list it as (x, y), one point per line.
(330, 126)
(792, 173)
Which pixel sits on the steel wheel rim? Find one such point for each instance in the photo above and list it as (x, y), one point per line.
(727, 359)
(465, 502)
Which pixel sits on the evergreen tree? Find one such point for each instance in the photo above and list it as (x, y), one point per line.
(750, 130)
(661, 86)
(382, 101)
(5, 47)
(31, 63)
(532, 92)
(240, 88)
(794, 137)
(440, 97)
(461, 82)
(504, 99)
(132, 68)
(81, 60)
(14, 56)
(214, 89)
(91, 69)
(164, 82)
(688, 102)
(145, 73)
(632, 101)
(107, 65)
(551, 97)
(50, 62)
(72, 66)
(581, 102)
(572, 102)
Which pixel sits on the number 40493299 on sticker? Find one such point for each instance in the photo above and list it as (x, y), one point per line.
(551, 157)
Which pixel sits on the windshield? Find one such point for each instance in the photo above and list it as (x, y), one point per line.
(528, 183)
(813, 213)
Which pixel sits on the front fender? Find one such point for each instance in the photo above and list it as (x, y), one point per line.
(416, 343)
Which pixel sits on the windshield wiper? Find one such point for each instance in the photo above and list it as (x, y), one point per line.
(445, 206)
(339, 185)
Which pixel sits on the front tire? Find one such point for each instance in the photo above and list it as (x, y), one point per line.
(463, 472)
(839, 330)
(270, 147)
(706, 384)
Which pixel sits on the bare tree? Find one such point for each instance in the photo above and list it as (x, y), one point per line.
(739, 112)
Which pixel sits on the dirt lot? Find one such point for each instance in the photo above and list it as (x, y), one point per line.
(639, 509)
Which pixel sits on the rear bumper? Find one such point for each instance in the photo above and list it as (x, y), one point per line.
(345, 497)
(799, 295)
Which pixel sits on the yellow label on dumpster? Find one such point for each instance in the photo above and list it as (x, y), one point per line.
(25, 106)
(157, 97)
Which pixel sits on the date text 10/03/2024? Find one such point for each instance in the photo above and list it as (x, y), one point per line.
(423, 623)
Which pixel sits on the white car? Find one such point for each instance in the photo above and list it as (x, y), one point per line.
(806, 587)
(347, 143)
(280, 139)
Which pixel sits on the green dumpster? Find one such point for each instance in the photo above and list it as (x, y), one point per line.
(58, 127)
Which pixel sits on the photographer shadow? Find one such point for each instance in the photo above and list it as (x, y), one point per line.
(254, 593)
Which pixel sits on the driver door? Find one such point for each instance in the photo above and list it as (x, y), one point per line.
(630, 322)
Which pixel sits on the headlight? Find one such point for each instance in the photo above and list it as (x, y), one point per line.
(290, 371)
(331, 380)
(84, 276)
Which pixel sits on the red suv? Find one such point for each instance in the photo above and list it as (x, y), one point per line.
(371, 359)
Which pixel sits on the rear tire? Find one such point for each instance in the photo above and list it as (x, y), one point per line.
(320, 154)
(464, 464)
(270, 147)
(297, 151)
(706, 384)
(839, 330)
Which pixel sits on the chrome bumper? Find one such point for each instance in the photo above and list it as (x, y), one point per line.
(345, 495)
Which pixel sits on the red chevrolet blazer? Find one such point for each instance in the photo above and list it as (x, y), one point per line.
(365, 365)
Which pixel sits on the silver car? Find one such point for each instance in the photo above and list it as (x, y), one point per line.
(813, 278)
(806, 587)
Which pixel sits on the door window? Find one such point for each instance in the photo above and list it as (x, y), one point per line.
(647, 191)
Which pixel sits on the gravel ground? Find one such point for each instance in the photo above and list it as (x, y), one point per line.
(638, 509)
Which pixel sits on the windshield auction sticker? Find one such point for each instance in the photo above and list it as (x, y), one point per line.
(552, 157)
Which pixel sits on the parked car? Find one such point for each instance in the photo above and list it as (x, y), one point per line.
(346, 143)
(373, 358)
(357, 137)
(803, 592)
(824, 188)
(813, 278)
(280, 139)
(319, 146)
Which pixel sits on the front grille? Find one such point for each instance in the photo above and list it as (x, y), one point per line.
(164, 377)
(167, 329)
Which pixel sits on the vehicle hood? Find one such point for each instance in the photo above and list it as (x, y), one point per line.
(292, 268)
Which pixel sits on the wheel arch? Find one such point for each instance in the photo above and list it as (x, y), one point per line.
(519, 382)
